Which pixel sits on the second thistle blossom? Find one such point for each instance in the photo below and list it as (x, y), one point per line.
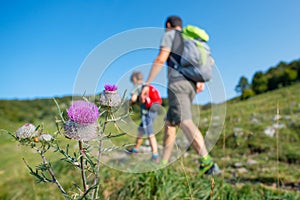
(110, 88)
(83, 112)
(110, 97)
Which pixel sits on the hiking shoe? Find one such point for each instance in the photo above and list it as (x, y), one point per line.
(155, 158)
(206, 165)
(206, 168)
(132, 151)
(164, 163)
(216, 170)
(213, 170)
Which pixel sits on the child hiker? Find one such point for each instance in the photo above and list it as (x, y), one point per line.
(149, 105)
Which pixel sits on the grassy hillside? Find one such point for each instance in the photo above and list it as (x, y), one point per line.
(258, 150)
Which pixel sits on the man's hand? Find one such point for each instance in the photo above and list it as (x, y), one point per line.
(200, 87)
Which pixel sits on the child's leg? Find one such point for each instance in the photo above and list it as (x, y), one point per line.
(149, 118)
(141, 130)
(139, 141)
(153, 144)
(152, 139)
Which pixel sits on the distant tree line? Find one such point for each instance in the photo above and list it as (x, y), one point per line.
(282, 75)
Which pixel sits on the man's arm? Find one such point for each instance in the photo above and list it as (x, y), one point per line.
(155, 69)
(158, 63)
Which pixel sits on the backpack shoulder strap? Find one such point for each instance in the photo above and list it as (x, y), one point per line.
(176, 50)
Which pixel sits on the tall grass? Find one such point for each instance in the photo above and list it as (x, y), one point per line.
(274, 176)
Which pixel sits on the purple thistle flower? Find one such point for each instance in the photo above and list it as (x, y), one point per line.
(83, 112)
(110, 88)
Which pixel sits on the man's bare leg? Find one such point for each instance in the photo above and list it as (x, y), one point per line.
(194, 136)
(169, 140)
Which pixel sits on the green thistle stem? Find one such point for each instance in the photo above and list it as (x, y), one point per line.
(85, 186)
(96, 180)
(45, 162)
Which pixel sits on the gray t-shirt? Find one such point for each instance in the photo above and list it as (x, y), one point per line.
(167, 42)
(137, 89)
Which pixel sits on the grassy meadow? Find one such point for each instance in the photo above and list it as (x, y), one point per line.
(258, 151)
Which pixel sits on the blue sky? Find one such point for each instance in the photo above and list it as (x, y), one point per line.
(44, 44)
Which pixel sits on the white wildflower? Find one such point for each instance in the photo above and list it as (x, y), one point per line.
(26, 131)
(45, 137)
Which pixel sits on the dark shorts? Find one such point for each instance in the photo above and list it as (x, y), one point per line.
(180, 96)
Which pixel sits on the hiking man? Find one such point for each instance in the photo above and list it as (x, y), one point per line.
(181, 93)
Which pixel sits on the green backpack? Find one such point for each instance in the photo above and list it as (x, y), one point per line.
(196, 62)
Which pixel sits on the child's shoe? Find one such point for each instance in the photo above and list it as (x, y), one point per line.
(155, 158)
(132, 151)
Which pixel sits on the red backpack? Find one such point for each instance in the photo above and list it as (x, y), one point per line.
(153, 97)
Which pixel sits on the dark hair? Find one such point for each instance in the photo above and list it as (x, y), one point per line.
(174, 21)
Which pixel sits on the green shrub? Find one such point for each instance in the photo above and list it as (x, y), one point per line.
(247, 93)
